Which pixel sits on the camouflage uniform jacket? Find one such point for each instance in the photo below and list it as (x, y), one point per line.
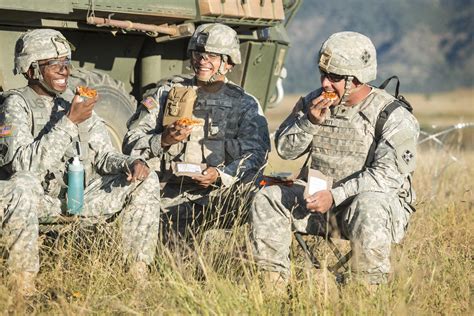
(234, 138)
(43, 139)
(340, 145)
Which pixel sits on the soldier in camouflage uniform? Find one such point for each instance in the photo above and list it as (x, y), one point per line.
(231, 143)
(369, 201)
(44, 125)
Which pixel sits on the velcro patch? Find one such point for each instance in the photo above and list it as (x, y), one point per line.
(407, 156)
(150, 103)
(6, 130)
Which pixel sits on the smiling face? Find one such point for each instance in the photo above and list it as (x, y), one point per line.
(55, 73)
(206, 65)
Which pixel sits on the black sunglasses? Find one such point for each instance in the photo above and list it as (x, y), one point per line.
(332, 77)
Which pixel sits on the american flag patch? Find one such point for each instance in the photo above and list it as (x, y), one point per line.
(5, 130)
(150, 103)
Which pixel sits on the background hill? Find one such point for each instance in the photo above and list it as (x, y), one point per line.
(427, 43)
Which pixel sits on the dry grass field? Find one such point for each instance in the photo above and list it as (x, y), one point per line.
(81, 272)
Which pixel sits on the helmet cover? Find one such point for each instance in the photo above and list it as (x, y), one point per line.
(350, 54)
(37, 45)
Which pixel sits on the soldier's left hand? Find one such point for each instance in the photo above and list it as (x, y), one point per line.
(321, 201)
(208, 177)
(139, 171)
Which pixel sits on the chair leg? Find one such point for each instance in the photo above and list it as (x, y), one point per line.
(342, 263)
(314, 261)
(342, 260)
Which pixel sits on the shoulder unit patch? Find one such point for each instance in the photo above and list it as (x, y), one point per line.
(150, 103)
(5, 130)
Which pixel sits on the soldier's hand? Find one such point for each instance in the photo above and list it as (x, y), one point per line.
(208, 177)
(318, 110)
(81, 109)
(139, 171)
(174, 134)
(321, 201)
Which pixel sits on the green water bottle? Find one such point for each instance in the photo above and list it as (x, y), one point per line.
(75, 187)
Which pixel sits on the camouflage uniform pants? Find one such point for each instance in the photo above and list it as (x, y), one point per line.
(137, 203)
(19, 202)
(371, 221)
(187, 210)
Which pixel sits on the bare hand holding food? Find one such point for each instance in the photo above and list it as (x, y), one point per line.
(320, 105)
(176, 132)
(82, 104)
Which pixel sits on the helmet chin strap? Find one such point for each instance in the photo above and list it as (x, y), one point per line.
(347, 90)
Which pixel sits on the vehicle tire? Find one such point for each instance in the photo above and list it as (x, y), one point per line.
(115, 105)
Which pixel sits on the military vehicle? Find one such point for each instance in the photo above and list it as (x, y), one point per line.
(124, 47)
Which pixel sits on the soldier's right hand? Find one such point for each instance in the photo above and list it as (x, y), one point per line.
(319, 109)
(174, 133)
(81, 109)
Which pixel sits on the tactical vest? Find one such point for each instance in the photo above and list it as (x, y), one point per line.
(341, 145)
(206, 144)
(39, 110)
(43, 118)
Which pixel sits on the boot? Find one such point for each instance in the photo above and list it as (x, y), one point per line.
(139, 272)
(326, 282)
(23, 283)
(274, 283)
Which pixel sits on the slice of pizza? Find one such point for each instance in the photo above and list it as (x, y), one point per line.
(86, 92)
(186, 121)
(331, 95)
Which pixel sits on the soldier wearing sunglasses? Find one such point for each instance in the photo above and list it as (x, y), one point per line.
(369, 200)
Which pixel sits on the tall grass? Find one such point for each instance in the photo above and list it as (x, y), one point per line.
(82, 271)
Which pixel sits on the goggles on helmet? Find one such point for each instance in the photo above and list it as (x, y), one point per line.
(56, 65)
(206, 56)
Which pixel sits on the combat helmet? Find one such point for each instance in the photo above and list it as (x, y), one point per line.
(349, 54)
(216, 38)
(37, 45)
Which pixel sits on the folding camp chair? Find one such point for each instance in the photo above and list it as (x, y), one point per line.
(342, 259)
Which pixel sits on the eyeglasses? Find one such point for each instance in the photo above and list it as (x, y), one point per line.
(331, 77)
(206, 56)
(57, 65)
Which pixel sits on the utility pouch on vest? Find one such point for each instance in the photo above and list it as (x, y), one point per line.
(179, 104)
(316, 181)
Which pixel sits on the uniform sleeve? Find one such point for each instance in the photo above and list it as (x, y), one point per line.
(143, 138)
(295, 134)
(25, 153)
(394, 159)
(252, 142)
(107, 159)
